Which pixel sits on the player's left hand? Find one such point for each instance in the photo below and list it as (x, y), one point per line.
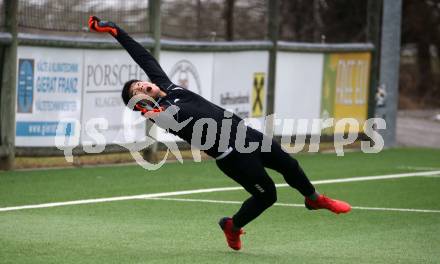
(146, 111)
(96, 24)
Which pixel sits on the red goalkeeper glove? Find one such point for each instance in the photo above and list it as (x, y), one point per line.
(102, 26)
(144, 107)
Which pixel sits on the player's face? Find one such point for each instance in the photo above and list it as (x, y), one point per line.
(147, 88)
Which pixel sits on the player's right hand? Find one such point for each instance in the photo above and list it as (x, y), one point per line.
(151, 114)
(96, 24)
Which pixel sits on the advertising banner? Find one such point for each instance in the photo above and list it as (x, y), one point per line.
(258, 94)
(78, 91)
(345, 87)
(48, 92)
(298, 92)
(190, 70)
(105, 72)
(239, 83)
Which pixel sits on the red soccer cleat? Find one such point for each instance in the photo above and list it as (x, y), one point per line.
(324, 202)
(232, 236)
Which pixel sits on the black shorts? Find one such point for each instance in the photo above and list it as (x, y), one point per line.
(248, 170)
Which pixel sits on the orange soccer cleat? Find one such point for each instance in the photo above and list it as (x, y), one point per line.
(324, 202)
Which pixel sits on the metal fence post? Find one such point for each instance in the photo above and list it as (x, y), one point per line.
(374, 17)
(155, 33)
(155, 25)
(8, 88)
(273, 31)
(389, 68)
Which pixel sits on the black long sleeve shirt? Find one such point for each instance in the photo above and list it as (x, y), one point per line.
(191, 105)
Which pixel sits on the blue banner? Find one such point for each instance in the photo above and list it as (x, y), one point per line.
(44, 129)
(25, 89)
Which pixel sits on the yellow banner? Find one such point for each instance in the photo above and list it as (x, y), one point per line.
(258, 94)
(346, 78)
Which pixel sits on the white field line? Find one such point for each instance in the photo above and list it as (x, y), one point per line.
(297, 205)
(416, 168)
(167, 194)
(383, 177)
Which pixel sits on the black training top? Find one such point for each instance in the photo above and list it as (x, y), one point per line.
(191, 105)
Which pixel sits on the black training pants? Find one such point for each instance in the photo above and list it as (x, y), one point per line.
(247, 169)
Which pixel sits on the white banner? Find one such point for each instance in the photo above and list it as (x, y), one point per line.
(80, 90)
(105, 72)
(240, 83)
(298, 92)
(191, 70)
(48, 95)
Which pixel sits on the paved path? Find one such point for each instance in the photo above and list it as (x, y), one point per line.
(419, 128)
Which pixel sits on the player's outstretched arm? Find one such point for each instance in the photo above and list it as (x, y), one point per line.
(140, 55)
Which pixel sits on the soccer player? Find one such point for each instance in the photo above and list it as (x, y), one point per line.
(247, 168)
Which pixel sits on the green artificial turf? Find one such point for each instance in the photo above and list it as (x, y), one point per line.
(165, 231)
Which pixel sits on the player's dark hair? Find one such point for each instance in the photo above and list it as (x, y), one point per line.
(126, 91)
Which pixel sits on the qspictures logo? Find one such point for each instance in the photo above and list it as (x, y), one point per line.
(166, 120)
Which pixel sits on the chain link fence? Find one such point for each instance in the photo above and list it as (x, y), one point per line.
(72, 15)
(324, 21)
(2, 15)
(214, 20)
(206, 20)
